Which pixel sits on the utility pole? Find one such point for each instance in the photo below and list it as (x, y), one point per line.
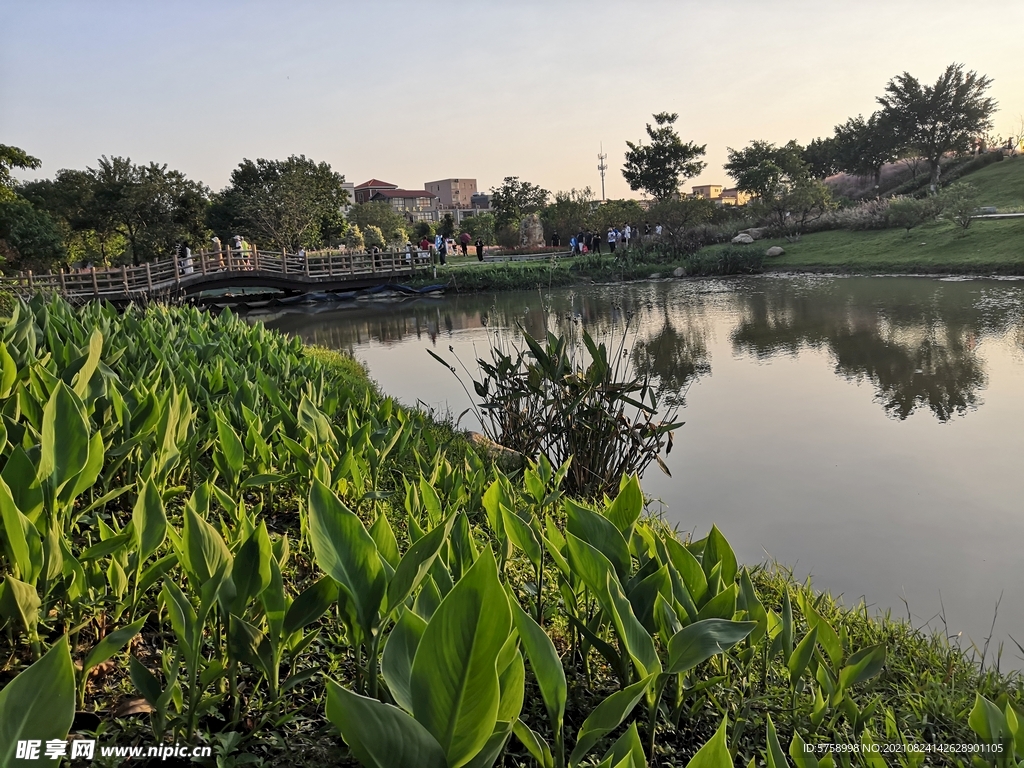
(601, 157)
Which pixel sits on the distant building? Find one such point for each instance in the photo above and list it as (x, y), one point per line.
(414, 204)
(453, 193)
(366, 190)
(721, 195)
(349, 187)
(708, 191)
(734, 197)
(480, 200)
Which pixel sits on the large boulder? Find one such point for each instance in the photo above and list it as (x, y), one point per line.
(755, 232)
(678, 272)
(775, 250)
(742, 239)
(531, 232)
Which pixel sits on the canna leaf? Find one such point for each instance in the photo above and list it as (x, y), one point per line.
(599, 533)
(775, 755)
(310, 605)
(454, 683)
(384, 537)
(627, 750)
(20, 601)
(861, 666)
(203, 550)
(22, 537)
(626, 509)
(802, 655)
(38, 704)
(606, 717)
(150, 520)
(522, 535)
(701, 640)
(416, 563)
(111, 644)
(398, 655)
(717, 551)
(546, 665)
(715, 753)
(380, 735)
(64, 450)
(346, 552)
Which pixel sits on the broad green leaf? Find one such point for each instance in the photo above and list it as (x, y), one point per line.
(701, 640)
(380, 735)
(346, 552)
(987, 720)
(85, 373)
(111, 644)
(627, 748)
(230, 445)
(861, 666)
(624, 511)
(20, 601)
(775, 754)
(802, 757)
(522, 535)
(106, 547)
(38, 704)
(310, 605)
(534, 744)
(384, 537)
(600, 533)
(23, 541)
(715, 753)
(546, 665)
(416, 563)
(721, 606)
(454, 683)
(20, 475)
(606, 717)
(827, 636)
(150, 520)
(398, 655)
(689, 569)
(250, 574)
(145, 682)
(9, 375)
(204, 550)
(802, 655)
(717, 550)
(65, 439)
(637, 640)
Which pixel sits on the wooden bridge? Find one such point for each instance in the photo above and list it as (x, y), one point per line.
(330, 270)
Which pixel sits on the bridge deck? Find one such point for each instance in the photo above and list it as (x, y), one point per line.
(330, 270)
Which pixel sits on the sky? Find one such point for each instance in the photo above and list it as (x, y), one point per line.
(410, 92)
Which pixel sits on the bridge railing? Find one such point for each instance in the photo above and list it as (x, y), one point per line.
(169, 274)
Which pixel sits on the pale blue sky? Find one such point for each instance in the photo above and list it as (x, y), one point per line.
(414, 91)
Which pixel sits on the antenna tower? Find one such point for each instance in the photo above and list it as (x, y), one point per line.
(601, 157)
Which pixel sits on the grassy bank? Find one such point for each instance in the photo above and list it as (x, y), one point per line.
(214, 535)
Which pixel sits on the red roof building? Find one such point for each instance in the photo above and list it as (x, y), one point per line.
(366, 190)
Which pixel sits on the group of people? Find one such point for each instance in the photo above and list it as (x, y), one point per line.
(615, 237)
(443, 246)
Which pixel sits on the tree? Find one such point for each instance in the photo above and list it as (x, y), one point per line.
(940, 118)
(12, 157)
(290, 203)
(446, 227)
(679, 216)
(373, 237)
(960, 201)
(152, 207)
(481, 225)
(787, 197)
(864, 146)
(762, 167)
(514, 199)
(380, 214)
(615, 213)
(29, 237)
(571, 212)
(910, 212)
(821, 157)
(661, 166)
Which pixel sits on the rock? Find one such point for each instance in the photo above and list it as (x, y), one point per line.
(678, 272)
(755, 232)
(743, 239)
(505, 458)
(654, 276)
(775, 250)
(531, 232)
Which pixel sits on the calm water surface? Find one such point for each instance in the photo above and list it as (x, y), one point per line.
(866, 431)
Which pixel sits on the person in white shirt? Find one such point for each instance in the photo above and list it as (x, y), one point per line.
(611, 239)
(627, 233)
(657, 230)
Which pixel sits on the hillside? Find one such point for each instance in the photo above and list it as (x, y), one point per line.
(1001, 184)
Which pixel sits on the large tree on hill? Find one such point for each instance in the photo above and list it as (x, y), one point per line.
(514, 199)
(661, 166)
(940, 118)
(289, 203)
(864, 146)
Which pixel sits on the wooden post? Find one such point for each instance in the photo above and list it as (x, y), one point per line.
(63, 285)
(255, 258)
(30, 278)
(95, 286)
(202, 263)
(305, 263)
(330, 264)
(149, 276)
(284, 260)
(124, 279)
(177, 272)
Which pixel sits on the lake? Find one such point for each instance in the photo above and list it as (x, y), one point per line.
(868, 431)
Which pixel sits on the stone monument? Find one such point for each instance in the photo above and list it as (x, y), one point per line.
(531, 233)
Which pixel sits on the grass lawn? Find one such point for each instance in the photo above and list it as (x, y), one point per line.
(988, 246)
(1001, 184)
